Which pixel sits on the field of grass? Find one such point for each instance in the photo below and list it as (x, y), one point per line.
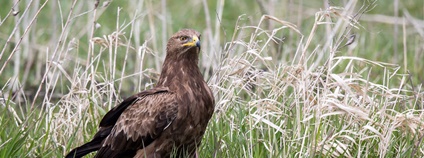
(290, 78)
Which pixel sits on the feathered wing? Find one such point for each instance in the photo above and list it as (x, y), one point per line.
(139, 118)
(139, 125)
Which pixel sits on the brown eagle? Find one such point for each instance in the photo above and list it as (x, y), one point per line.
(168, 120)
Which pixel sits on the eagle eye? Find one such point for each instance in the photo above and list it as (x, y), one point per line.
(183, 38)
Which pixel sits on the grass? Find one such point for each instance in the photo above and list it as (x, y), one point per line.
(285, 83)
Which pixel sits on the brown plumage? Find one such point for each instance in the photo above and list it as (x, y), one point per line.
(168, 120)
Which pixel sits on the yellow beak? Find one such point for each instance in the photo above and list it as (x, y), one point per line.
(194, 42)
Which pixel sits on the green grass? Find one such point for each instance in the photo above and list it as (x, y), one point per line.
(284, 84)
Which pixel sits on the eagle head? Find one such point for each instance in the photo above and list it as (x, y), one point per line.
(184, 42)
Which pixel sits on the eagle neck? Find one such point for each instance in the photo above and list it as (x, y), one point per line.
(178, 73)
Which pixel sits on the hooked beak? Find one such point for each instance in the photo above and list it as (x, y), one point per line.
(194, 42)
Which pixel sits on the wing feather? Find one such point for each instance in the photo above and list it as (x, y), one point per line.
(109, 122)
(139, 125)
(112, 116)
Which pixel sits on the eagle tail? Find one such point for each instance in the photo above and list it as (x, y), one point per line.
(85, 149)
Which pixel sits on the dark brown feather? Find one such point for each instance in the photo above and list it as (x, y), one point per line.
(172, 117)
(140, 125)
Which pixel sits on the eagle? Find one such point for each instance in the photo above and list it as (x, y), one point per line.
(166, 121)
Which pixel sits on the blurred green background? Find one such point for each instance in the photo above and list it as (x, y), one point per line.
(381, 39)
(50, 47)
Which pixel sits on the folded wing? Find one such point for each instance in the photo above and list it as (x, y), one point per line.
(132, 125)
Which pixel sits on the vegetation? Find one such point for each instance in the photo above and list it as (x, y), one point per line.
(287, 78)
